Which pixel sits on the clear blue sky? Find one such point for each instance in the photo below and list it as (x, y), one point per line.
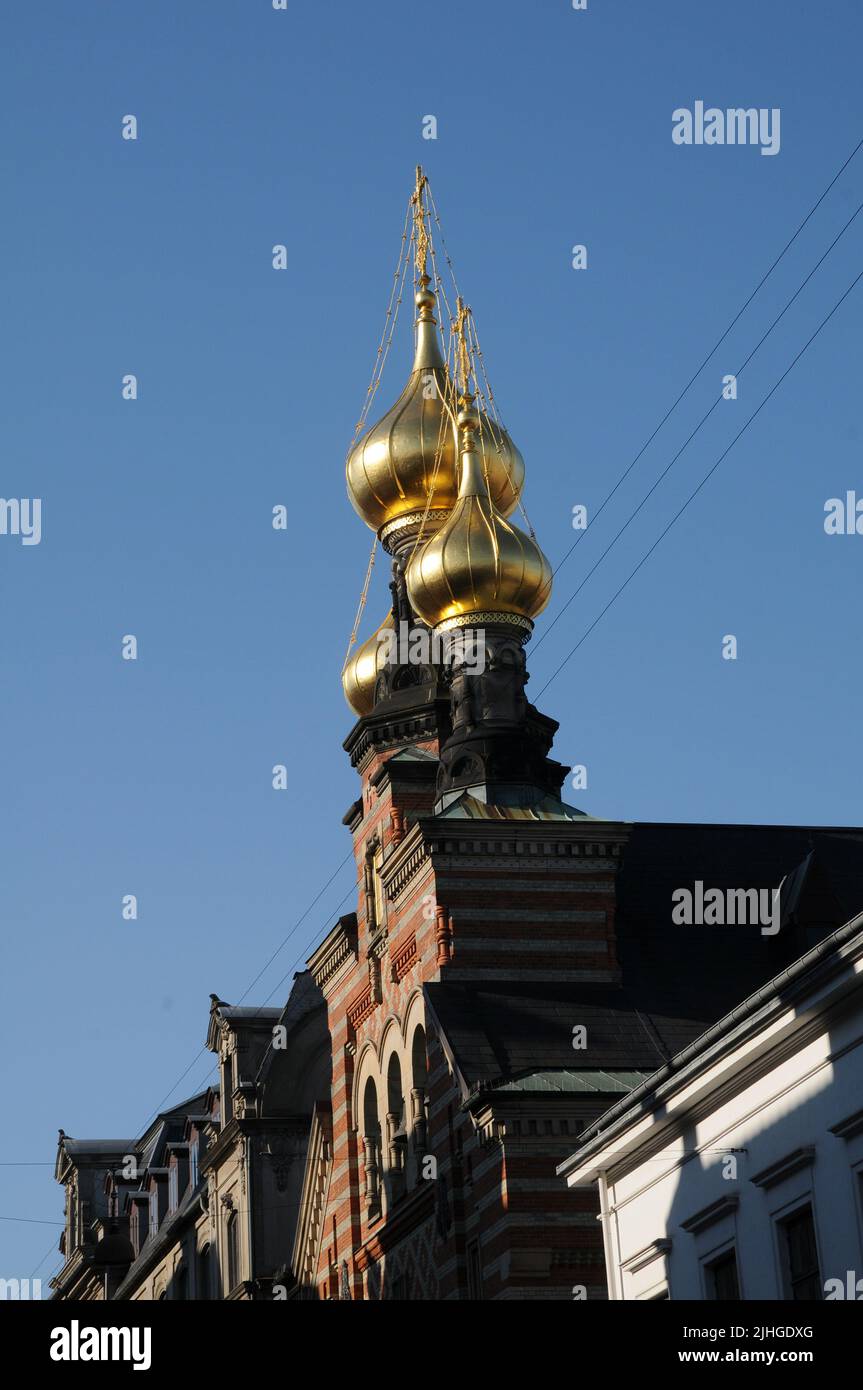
(154, 258)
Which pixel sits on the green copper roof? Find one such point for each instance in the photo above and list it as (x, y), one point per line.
(412, 754)
(549, 808)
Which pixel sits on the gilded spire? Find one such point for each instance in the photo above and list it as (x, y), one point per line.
(428, 355)
(464, 363)
(478, 565)
(421, 240)
(402, 473)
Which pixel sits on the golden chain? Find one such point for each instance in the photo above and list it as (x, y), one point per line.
(389, 323)
(377, 372)
(362, 603)
(488, 404)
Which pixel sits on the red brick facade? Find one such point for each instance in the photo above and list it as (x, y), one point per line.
(431, 1191)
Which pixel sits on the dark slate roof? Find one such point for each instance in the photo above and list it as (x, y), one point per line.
(510, 1030)
(577, 1082)
(699, 973)
(155, 1247)
(98, 1146)
(237, 1014)
(676, 980)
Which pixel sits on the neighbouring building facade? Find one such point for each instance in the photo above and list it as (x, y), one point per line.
(511, 970)
(736, 1170)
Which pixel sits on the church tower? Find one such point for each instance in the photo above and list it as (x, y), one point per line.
(473, 874)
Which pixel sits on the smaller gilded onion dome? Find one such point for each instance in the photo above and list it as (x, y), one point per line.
(391, 467)
(363, 668)
(478, 562)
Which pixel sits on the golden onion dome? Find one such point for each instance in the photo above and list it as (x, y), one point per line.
(363, 668)
(390, 468)
(477, 562)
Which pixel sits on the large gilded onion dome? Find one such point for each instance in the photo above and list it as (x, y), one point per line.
(477, 562)
(363, 668)
(391, 466)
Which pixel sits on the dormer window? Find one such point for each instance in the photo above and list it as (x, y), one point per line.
(178, 1174)
(193, 1162)
(154, 1211)
(138, 1223)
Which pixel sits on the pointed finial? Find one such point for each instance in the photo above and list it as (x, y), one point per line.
(428, 354)
(420, 234)
(464, 361)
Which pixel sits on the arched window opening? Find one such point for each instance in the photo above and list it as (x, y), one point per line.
(396, 1129)
(204, 1288)
(419, 1094)
(372, 1145)
(232, 1234)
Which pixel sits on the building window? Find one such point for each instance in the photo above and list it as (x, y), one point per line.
(193, 1164)
(377, 861)
(135, 1228)
(803, 1277)
(181, 1283)
(722, 1282)
(474, 1271)
(232, 1242)
(154, 1213)
(173, 1194)
(204, 1287)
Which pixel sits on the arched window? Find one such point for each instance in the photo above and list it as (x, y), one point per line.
(396, 1131)
(372, 1146)
(419, 1063)
(419, 1095)
(181, 1282)
(395, 1096)
(204, 1286)
(232, 1242)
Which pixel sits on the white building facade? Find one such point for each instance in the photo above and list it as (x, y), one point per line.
(736, 1171)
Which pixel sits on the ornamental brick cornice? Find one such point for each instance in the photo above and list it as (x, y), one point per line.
(403, 955)
(335, 951)
(361, 1008)
(404, 863)
(395, 726)
(576, 839)
(432, 836)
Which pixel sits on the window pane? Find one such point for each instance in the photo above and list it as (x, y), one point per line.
(723, 1276)
(804, 1275)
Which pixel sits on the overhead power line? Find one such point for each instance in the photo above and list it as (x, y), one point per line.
(697, 428)
(719, 341)
(707, 476)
